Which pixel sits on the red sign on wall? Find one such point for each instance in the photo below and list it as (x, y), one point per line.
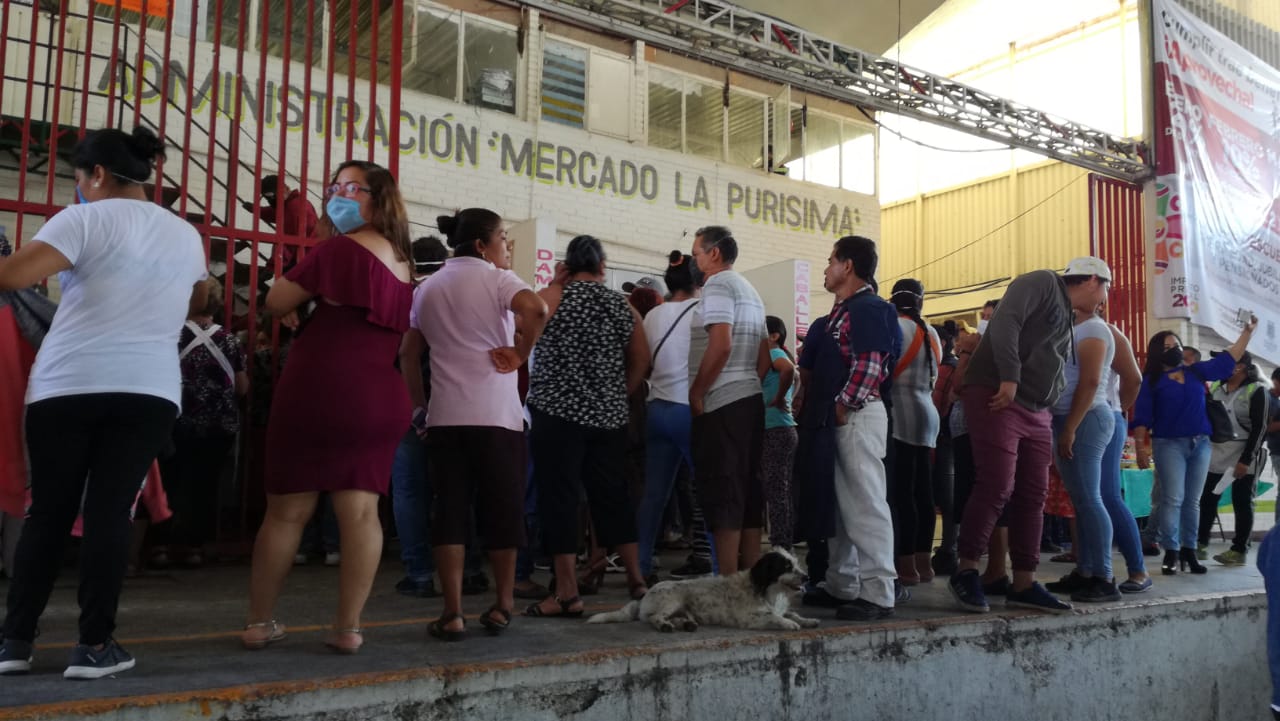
(158, 8)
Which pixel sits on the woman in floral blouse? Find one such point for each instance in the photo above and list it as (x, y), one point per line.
(591, 356)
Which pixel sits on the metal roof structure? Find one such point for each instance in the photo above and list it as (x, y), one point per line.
(766, 47)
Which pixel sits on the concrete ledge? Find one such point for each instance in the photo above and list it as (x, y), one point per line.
(1193, 658)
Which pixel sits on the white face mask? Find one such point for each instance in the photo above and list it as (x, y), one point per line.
(982, 326)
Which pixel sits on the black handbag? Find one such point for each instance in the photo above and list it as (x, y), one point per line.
(1221, 428)
(1219, 421)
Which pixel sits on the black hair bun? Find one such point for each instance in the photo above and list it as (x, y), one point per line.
(447, 225)
(675, 258)
(146, 145)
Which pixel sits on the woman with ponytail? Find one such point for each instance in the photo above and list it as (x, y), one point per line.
(668, 422)
(780, 436)
(915, 432)
(468, 314)
(105, 388)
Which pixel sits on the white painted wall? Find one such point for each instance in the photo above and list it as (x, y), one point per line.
(682, 192)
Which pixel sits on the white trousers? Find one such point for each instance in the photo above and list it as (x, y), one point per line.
(861, 563)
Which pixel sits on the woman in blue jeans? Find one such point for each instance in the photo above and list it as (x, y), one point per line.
(1101, 380)
(1170, 423)
(1269, 566)
(669, 421)
(1082, 427)
(1124, 381)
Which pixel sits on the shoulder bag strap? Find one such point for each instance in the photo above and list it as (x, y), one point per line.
(205, 338)
(917, 342)
(667, 335)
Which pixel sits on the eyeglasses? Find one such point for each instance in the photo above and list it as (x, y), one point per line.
(348, 188)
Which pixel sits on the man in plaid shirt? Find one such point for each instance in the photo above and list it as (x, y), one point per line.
(864, 339)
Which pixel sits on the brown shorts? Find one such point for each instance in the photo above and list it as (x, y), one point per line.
(477, 471)
(727, 445)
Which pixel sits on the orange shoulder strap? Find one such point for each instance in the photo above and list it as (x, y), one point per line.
(916, 343)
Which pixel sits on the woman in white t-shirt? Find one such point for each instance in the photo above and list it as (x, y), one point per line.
(668, 420)
(106, 385)
(1083, 426)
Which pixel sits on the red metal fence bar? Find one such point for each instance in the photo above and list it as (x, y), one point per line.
(56, 119)
(130, 69)
(397, 70)
(26, 120)
(1117, 237)
(165, 71)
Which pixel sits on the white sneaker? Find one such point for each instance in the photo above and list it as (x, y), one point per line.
(299, 559)
(332, 558)
(15, 657)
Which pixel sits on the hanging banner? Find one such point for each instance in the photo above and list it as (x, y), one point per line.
(1217, 244)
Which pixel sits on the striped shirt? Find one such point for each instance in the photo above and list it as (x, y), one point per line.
(915, 418)
(729, 298)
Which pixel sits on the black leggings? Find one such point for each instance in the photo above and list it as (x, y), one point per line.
(911, 498)
(1241, 502)
(96, 448)
(568, 459)
(191, 477)
(944, 472)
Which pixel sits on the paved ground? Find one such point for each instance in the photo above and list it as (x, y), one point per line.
(183, 628)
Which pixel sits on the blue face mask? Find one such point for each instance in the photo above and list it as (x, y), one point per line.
(80, 196)
(344, 213)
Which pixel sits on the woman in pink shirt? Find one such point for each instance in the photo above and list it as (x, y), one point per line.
(475, 421)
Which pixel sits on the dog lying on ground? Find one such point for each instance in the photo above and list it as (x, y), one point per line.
(756, 599)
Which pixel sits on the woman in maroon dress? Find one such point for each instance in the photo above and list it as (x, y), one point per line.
(340, 407)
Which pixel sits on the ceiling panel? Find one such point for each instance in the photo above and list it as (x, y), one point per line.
(868, 25)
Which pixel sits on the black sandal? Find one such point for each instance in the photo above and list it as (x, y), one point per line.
(535, 609)
(495, 628)
(436, 629)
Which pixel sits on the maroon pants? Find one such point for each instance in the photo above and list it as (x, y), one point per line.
(1012, 450)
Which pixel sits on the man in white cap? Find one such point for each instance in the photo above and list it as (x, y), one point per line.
(1013, 378)
(646, 282)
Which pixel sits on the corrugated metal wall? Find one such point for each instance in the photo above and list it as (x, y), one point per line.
(1117, 237)
(966, 242)
(1255, 24)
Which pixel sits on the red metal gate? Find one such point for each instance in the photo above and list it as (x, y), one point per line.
(239, 89)
(1116, 232)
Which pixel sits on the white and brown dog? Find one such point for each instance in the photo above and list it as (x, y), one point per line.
(755, 599)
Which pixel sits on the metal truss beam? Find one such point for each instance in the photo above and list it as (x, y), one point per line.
(760, 45)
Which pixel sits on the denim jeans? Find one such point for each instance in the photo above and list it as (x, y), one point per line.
(668, 431)
(1182, 464)
(1275, 469)
(1269, 566)
(1082, 476)
(1123, 527)
(411, 505)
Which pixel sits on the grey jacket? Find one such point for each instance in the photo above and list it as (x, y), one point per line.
(33, 311)
(1027, 341)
